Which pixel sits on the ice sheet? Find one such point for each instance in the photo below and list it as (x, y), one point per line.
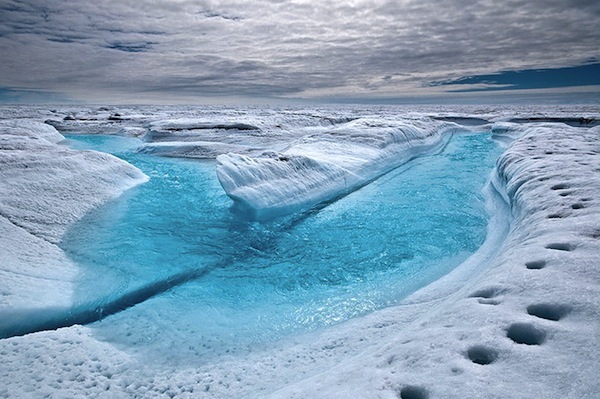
(523, 323)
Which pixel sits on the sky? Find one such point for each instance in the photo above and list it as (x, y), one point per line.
(184, 51)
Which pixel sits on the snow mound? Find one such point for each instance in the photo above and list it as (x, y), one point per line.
(506, 132)
(44, 188)
(196, 124)
(582, 121)
(323, 166)
(195, 149)
(188, 129)
(202, 138)
(99, 121)
(132, 131)
(31, 129)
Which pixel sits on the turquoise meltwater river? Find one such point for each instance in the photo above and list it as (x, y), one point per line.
(203, 283)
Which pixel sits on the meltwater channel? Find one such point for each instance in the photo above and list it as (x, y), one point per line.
(251, 283)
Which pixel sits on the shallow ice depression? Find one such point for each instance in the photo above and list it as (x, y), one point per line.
(193, 281)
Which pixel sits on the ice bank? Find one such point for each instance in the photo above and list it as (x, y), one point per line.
(323, 166)
(44, 187)
(523, 324)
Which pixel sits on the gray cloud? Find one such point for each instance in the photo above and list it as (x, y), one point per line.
(299, 48)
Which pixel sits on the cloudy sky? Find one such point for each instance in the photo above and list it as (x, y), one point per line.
(354, 50)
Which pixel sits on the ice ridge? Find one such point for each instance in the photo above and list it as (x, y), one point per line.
(323, 166)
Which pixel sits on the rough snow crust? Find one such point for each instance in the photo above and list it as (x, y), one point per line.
(326, 165)
(44, 187)
(521, 321)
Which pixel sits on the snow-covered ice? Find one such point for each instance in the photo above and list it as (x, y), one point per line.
(326, 165)
(519, 319)
(45, 187)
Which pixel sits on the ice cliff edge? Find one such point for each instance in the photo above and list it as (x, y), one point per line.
(324, 166)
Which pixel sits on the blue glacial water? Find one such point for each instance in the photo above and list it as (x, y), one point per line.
(248, 283)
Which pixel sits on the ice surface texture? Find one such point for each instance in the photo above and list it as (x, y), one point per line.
(326, 165)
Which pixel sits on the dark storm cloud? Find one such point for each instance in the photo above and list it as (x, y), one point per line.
(285, 48)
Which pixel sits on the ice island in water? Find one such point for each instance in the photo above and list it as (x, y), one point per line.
(301, 252)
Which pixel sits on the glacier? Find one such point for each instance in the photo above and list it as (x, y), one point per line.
(519, 319)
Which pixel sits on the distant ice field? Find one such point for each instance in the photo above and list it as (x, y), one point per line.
(212, 284)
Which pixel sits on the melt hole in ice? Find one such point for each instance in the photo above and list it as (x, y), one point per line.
(560, 186)
(483, 355)
(525, 333)
(548, 311)
(490, 292)
(536, 264)
(561, 246)
(484, 301)
(413, 392)
(486, 295)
